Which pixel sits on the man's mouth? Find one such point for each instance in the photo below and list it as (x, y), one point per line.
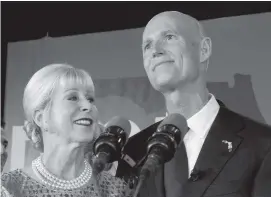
(84, 122)
(160, 63)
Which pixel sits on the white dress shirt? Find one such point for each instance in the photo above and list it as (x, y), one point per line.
(199, 124)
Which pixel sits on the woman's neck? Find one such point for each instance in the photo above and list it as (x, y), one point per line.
(66, 161)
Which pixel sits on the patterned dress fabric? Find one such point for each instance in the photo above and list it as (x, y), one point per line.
(19, 184)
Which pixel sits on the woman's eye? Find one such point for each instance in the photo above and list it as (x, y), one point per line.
(91, 100)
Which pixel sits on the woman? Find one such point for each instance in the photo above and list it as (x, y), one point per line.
(62, 119)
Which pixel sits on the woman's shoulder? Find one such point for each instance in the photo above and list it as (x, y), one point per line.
(114, 184)
(14, 177)
(12, 181)
(108, 178)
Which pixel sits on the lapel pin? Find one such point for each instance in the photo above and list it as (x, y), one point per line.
(229, 144)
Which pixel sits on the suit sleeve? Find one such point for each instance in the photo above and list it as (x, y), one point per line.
(262, 184)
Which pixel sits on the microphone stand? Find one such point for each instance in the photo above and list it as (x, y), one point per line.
(96, 183)
(161, 148)
(148, 168)
(138, 187)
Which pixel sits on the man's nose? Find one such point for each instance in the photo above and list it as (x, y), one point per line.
(158, 50)
(157, 54)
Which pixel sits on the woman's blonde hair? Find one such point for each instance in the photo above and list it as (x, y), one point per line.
(38, 93)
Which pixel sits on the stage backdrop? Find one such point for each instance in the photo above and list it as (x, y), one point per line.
(239, 74)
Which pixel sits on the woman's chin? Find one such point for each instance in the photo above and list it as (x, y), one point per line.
(84, 138)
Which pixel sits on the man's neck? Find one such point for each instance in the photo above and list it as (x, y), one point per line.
(186, 102)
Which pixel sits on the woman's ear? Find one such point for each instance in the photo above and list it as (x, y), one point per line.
(38, 118)
(205, 49)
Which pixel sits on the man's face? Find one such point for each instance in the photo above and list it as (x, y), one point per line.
(4, 145)
(171, 52)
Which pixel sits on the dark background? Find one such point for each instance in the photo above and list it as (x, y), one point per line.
(34, 20)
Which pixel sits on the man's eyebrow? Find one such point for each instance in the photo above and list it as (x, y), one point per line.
(146, 42)
(163, 33)
(180, 37)
(168, 31)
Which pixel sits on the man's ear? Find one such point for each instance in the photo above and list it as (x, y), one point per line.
(38, 117)
(205, 49)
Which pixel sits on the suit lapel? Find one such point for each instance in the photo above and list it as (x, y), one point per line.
(219, 146)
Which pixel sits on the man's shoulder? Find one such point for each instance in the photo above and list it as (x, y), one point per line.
(254, 133)
(254, 126)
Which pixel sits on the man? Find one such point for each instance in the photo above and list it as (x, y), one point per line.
(4, 156)
(223, 153)
(4, 144)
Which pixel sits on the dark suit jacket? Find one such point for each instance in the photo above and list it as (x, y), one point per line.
(243, 170)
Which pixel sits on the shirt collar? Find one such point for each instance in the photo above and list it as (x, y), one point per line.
(201, 122)
(204, 118)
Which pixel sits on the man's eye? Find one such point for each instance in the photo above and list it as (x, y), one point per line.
(169, 37)
(72, 98)
(147, 46)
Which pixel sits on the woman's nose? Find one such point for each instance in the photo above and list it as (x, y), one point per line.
(86, 106)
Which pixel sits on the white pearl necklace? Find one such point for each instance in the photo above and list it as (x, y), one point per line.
(51, 180)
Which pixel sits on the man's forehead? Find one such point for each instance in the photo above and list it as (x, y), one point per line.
(174, 21)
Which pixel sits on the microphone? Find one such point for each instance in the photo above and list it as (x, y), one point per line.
(162, 145)
(195, 175)
(107, 147)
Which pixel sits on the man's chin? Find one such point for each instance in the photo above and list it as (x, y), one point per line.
(163, 81)
(164, 87)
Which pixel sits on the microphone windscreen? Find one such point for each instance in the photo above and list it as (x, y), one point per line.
(176, 120)
(120, 122)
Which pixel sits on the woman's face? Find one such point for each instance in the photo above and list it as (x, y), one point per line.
(73, 115)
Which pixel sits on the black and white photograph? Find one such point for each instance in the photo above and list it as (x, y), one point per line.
(135, 99)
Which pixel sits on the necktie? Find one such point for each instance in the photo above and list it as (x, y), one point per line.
(176, 172)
